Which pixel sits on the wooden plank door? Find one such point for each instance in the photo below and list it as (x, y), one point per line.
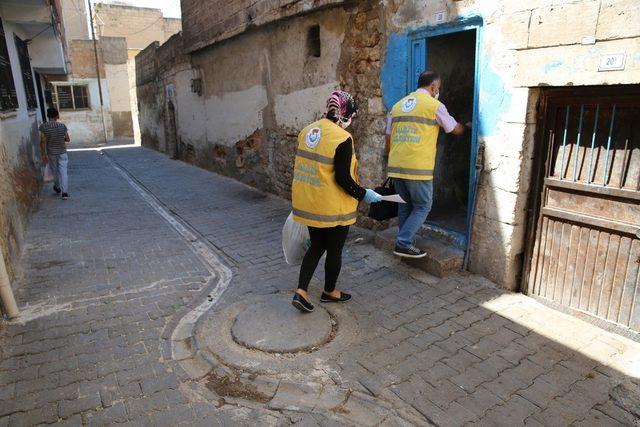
(586, 252)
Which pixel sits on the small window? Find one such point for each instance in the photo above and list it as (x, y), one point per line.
(313, 41)
(27, 74)
(8, 97)
(70, 97)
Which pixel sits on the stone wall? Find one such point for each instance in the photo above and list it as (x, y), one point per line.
(114, 52)
(88, 126)
(139, 25)
(74, 15)
(207, 22)
(83, 60)
(259, 87)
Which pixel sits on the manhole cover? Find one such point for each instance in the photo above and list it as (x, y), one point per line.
(275, 326)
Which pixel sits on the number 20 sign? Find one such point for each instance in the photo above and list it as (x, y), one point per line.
(612, 62)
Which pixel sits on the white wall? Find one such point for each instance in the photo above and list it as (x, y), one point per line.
(16, 127)
(117, 77)
(86, 126)
(19, 161)
(47, 54)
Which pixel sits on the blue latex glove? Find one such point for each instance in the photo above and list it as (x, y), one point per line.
(372, 197)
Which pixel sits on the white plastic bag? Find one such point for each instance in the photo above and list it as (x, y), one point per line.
(295, 240)
(47, 173)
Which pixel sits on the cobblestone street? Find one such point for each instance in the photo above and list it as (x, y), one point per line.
(130, 287)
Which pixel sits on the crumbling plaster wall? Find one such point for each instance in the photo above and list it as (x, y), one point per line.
(19, 164)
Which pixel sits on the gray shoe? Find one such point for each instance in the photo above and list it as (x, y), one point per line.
(409, 252)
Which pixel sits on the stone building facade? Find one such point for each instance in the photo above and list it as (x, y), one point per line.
(140, 26)
(232, 92)
(122, 31)
(90, 121)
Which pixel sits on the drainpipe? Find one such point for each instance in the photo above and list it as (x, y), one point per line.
(6, 293)
(479, 168)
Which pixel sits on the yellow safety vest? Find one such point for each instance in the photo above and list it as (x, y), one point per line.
(414, 135)
(318, 200)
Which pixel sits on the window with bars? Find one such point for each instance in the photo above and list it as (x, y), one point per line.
(596, 142)
(27, 74)
(8, 97)
(70, 97)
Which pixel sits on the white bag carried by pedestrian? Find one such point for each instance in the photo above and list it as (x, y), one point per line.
(295, 240)
(47, 174)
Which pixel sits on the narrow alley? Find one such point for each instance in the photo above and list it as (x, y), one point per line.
(134, 292)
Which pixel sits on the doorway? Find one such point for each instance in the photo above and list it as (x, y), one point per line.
(453, 57)
(452, 52)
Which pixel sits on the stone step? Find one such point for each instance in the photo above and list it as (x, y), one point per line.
(441, 259)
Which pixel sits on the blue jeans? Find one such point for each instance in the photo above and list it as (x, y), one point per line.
(411, 215)
(58, 165)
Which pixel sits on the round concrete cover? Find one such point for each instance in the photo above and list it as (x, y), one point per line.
(275, 326)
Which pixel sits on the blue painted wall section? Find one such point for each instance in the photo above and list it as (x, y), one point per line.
(494, 99)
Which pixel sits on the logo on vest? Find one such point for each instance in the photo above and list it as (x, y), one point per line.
(408, 104)
(313, 137)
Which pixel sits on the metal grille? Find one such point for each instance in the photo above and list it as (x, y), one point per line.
(597, 144)
(8, 97)
(27, 74)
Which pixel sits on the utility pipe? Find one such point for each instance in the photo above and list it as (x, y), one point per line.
(476, 184)
(6, 293)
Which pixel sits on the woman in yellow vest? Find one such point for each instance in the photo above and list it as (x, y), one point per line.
(325, 194)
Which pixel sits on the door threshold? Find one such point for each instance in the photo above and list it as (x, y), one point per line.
(444, 235)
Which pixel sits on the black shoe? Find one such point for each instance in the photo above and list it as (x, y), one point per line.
(328, 298)
(409, 252)
(57, 189)
(302, 304)
(65, 196)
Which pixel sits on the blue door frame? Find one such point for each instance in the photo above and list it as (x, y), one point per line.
(418, 44)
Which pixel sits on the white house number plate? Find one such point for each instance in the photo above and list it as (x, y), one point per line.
(612, 62)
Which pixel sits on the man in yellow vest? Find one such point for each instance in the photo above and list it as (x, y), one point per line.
(325, 194)
(412, 136)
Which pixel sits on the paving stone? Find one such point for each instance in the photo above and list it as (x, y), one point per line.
(479, 402)
(540, 393)
(597, 419)
(67, 408)
(75, 421)
(46, 414)
(513, 412)
(111, 415)
(364, 412)
(619, 414)
(461, 360)
(155, 384)
(330, 398)
(292, 396)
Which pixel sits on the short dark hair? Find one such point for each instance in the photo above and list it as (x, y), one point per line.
(52, 113)
(428, 77)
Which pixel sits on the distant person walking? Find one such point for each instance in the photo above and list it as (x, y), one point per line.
(325, 194)
(53, 148)
(412, 136)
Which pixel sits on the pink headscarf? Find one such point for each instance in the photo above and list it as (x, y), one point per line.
(341, 105)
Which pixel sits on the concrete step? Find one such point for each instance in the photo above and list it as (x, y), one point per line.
(441, 259)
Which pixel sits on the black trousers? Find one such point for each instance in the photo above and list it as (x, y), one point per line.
(329, 240)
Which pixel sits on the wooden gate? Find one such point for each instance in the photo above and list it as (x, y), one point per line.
(585, 241)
